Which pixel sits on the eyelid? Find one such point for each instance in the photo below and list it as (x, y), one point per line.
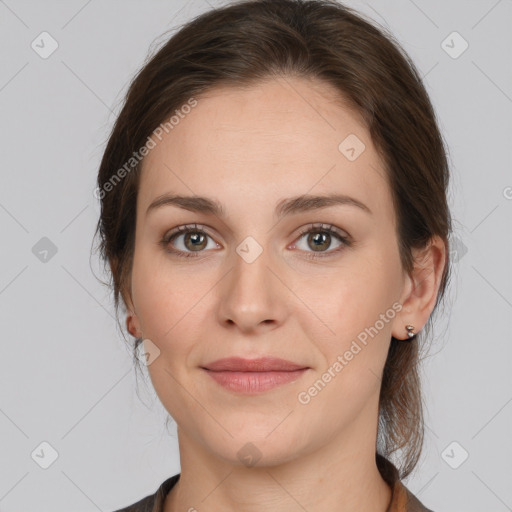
(185, 228)
(343, 237)
(302, 231)
(321, 226)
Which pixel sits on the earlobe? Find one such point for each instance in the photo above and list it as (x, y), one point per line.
(132, 321)
(132, 325)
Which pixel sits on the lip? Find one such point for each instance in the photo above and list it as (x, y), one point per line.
(253, 376)
(261, 364)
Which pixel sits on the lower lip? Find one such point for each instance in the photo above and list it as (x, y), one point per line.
(254, 382)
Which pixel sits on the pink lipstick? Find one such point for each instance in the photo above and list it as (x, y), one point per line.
(252, 376)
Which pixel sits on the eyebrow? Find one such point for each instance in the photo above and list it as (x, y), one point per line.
(289, 206)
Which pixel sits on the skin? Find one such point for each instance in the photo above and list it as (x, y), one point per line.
(249, 149)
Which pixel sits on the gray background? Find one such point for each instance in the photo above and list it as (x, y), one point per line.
(66, 377)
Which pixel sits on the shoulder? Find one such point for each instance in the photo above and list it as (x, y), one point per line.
(153, 502)
(402, 499)
(143, 505)
(413, 503)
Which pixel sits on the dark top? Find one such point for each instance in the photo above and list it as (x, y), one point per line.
(402, 500)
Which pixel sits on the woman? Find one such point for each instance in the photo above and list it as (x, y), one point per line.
(274, 215)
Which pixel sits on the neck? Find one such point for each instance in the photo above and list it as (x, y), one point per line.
(341, 475)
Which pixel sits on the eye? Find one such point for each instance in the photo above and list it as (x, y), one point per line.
(320, 238)
(195, 239)
(186, 240)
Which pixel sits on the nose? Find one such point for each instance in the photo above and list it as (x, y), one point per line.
(252, 298)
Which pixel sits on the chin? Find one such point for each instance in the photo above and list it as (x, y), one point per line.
(256, 447)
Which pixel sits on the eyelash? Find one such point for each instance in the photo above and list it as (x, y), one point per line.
(311, 228)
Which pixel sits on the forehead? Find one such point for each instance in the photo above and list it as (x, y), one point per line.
(277, 138)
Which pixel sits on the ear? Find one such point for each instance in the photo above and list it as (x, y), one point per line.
(132, 320)
(421, 289)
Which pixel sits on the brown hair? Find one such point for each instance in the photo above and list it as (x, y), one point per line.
(249, 41)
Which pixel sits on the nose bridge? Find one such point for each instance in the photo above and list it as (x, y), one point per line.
(250, 273)
(250, 294)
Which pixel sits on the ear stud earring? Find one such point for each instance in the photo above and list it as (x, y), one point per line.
(410, 332)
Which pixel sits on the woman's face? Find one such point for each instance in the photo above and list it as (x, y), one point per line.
(259, 280)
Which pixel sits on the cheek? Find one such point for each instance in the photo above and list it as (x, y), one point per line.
(353, 358)
(171, 315)
(358, 305)
(373, 283)
(162, 295)
(351, 298)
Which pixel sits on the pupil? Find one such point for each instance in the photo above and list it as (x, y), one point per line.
(196, 239)
(320, 238)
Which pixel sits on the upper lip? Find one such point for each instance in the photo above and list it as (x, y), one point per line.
(262, 364)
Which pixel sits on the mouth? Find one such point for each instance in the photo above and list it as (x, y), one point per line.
(253, 376)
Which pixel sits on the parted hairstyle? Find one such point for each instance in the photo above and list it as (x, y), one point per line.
(243, 43)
